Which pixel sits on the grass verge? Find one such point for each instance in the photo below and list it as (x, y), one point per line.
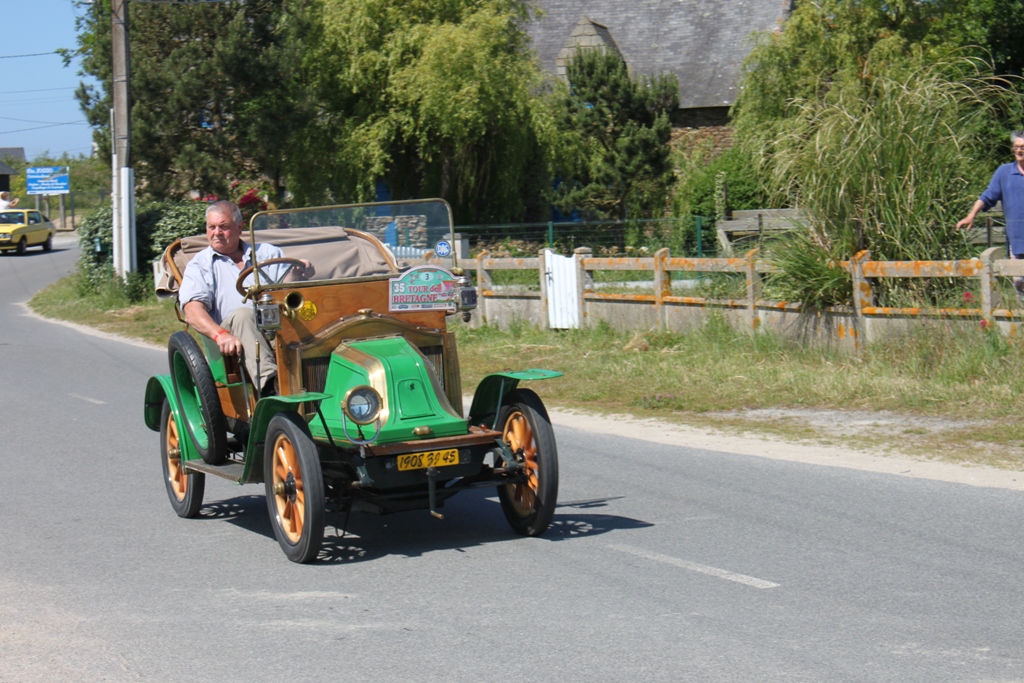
(107, 308)
(940, 392)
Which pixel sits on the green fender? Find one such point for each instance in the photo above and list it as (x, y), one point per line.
(266, 409)
(492, 390)
(158, 388)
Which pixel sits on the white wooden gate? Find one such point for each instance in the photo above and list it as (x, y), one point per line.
(561, 276)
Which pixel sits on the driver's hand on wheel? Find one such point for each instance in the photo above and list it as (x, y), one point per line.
(305, 272)
(229, 344)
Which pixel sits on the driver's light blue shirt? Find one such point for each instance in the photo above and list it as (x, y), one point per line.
(210, 278)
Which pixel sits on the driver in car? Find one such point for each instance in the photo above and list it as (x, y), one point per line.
(213, 306)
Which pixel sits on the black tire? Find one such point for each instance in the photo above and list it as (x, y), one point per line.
(295, 487)
(529, 506)
(197, 396)
(185, 490)
(48, 244)
(22, 247)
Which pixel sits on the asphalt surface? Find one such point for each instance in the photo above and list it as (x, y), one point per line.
(664, 563)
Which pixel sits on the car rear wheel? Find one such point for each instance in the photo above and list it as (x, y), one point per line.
(295, 487)
(22, 246)
(529, 505)
(197, 397)
(185, 489)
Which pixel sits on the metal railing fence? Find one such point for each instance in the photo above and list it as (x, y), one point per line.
(687, 234)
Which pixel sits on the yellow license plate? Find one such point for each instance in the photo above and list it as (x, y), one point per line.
(420, 461)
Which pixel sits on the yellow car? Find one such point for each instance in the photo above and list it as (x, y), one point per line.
(21, 229)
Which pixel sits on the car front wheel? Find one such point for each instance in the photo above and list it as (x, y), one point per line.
(295, 487)
(529, 504)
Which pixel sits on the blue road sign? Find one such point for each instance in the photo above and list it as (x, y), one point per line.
(443, 249)
(48, 180)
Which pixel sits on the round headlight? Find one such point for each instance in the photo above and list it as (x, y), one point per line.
(362, 405)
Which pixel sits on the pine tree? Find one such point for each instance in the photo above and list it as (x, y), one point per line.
(618, 127)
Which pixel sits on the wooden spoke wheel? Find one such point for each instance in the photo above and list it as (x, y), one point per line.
(184, 489)
(529, 502)
(295, 487)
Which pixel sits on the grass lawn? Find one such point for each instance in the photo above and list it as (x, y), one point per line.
(938, 392)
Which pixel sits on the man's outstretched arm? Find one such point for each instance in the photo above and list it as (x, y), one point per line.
(198, 316)
(968, 222)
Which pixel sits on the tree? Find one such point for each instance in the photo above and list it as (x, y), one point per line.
(431, 98)
(882, 122)
(833, 45)
(617, 131)
(212, 91)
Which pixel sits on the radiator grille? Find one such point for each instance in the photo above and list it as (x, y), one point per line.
(435, 354)
(314, 375)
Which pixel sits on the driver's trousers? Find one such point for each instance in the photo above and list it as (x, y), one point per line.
(241, 322)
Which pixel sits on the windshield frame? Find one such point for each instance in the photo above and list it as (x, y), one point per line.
(340, 207)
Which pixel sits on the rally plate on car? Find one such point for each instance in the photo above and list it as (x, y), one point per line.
(420, 461)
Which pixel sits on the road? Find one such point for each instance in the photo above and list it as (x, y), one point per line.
(665, 563)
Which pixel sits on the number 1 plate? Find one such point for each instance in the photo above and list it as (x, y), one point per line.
(421, 461)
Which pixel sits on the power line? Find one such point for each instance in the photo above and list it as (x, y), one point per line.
(34, 54)
(52, 123)
(25, 104)
(22, 130)
(17, 92)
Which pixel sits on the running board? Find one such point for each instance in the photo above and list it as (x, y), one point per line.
(230, 470)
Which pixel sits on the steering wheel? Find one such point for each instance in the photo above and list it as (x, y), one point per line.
(292, 262)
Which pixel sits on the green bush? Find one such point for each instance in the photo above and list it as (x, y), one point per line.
(695, 195)
(695, 192)
(157, 224)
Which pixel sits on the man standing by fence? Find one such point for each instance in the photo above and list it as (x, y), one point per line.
(1007, 186)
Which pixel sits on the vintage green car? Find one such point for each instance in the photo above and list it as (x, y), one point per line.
(24, 228)
(368, 414)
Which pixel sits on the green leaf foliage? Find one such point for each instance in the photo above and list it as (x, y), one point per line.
(616, 130)
(695, 189)
(894, 164)
(434, 97)
(212, 90)
(157, 224)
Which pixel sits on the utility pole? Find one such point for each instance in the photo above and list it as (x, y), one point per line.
(124, 188)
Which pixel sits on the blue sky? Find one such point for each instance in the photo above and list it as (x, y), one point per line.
(39, 91)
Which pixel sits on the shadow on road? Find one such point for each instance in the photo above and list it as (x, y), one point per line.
(473, 518)
(34, 251)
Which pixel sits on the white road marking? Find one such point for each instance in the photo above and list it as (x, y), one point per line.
(694, 567)
(90, 400)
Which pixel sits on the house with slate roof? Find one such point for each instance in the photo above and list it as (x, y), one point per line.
(15, 153)
(703, 42)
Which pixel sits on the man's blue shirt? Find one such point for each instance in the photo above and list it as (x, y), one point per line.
(1007, 186)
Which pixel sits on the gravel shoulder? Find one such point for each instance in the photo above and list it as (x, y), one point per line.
(663, 432)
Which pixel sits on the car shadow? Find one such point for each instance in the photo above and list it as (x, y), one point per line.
(34, 250)
(472, 518)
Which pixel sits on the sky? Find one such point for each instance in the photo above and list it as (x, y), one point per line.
(36, 92)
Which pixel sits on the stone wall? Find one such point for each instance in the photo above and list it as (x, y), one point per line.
(411, 231)
(716, 139)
